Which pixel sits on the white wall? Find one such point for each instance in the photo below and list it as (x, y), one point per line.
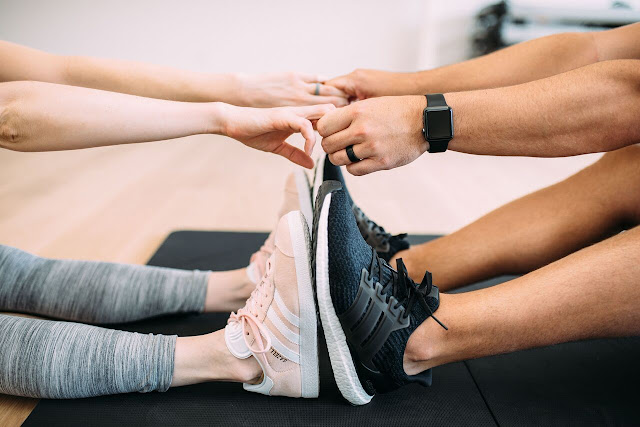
(331, 37)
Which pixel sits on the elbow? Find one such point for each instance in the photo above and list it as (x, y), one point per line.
(11, 135)
(631, 109)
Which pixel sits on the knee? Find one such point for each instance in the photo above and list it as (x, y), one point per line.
(621, 168)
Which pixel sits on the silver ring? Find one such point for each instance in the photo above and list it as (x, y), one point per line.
(317, 92)
(351, 155)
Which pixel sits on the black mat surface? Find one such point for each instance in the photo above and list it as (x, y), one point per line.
(584, 383)
(453, 399)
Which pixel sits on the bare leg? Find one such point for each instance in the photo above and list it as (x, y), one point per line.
(592, 293)
(537, 229)
(206, 358)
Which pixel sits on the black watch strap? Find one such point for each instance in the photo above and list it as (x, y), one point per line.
(437, 100)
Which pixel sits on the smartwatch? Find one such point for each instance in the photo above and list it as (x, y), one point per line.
(437, 120)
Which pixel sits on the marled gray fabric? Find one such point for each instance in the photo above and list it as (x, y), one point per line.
(63, 360)
(52, 359)
(95, 292)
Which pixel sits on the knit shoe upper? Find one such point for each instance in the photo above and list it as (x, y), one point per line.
(384, 243)
(378, 307)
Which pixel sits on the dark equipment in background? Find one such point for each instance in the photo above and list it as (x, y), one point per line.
(507, 23)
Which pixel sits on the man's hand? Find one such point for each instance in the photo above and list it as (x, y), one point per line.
(285, 89)
(266, 129)
(385, 133)
(363, 84)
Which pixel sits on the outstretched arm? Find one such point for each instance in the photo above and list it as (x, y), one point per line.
(521, 63)
(153, 81)
(36, 116)
(591, 109)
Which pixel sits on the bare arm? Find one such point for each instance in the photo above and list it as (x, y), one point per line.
(591, 109)
(588, 110)
(524, 62)
(153, 81)
(36, 116)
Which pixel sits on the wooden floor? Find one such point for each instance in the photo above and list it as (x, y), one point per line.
(119, 203)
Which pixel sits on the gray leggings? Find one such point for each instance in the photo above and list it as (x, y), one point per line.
(53, 359)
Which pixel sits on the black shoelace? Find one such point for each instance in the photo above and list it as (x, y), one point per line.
(382, 236)
(401, 282)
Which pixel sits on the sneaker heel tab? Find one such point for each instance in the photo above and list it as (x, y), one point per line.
(326, 188)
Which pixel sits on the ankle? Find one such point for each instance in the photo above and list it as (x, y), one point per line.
(418, 355)
(430, 345)
(225, 366)
(248, 371)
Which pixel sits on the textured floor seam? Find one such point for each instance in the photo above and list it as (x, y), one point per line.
(495, 420)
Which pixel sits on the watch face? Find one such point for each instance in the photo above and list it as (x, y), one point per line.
(439, 124)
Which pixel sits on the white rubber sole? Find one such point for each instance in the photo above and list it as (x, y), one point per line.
(304, 196)
(301, 242)
(344, 370)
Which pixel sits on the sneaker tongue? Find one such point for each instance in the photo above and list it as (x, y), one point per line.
(234, 338)
(387, 278)
(253, 273)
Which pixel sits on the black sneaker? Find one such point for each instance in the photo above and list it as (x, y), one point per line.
(367, 309)
(384, 243)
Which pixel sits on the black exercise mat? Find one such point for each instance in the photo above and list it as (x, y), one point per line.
(452, 400)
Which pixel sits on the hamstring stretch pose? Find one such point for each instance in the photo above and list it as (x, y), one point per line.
(557, 96)
(382, 327)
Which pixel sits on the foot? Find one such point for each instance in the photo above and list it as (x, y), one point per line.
(278, 325)
(368, 310)
(384, 243)
(297, 197)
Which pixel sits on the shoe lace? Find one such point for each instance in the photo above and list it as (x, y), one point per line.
(248, 315)
(372, 230)
(401, 284)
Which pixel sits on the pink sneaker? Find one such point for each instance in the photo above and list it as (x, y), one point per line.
(297, 197)
(278, 324)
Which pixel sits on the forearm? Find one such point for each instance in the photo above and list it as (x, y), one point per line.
(524, 62)
(151, 81)
(23, 63)
(592, 109)
(531, 60)
(37, 116)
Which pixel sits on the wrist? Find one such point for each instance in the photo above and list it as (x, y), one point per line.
(416, 105)
(219, 117)
(222, 88)
(241, 82)
(455, 100)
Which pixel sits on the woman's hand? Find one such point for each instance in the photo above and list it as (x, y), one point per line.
(266, 129)
(285, 89)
